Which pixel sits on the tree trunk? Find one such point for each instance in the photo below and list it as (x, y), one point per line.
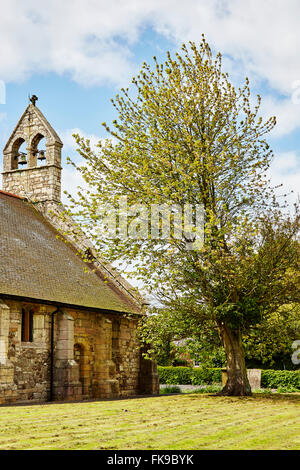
(237, 379)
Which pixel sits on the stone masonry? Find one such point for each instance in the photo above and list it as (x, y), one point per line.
(95, 356)
(37, 183)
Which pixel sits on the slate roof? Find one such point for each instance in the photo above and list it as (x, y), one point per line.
(35, 264)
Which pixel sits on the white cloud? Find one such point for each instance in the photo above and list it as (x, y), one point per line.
(286, 111)
(69, 141)
(71, 178)
(78, 38)
(285, 170)
(71, 182)
(261, 37)
(92, 40)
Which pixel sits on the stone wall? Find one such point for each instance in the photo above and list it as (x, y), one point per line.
(30, 361)
(108, 356)
(37, 184)
(126, 355)
(95, 356)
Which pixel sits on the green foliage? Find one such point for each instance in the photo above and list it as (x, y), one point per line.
(269, 343)
(188, 136)
(165, 390)
(185, 135)
(189, 375)
(205, 349)
(180, 362)
(207, 389)
(288, 389)
(280, 378)
(200, 342)
(203, 376)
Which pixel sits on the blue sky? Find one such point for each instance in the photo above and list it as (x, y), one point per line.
(75, 55)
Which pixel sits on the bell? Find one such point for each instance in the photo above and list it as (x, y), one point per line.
(42, 155)
(22, 158)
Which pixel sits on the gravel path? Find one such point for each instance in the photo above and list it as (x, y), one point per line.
(183, 387)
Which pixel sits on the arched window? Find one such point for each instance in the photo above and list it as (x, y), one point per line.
(27, 326)
(19, 155)
(38, 150)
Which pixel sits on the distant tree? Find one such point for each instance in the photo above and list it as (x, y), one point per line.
(270, 342)
(171, 336)
(266, 344)
(186, 135)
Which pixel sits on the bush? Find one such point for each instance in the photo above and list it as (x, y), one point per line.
(206, 376)
(280, 378)
(262, 390)
(189, 375)
(170, 390)
(288, 389)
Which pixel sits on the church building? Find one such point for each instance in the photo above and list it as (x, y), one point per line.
(67, 326)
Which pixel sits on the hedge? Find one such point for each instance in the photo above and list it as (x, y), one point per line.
(204, 376)
(280, 378)
(188, 375)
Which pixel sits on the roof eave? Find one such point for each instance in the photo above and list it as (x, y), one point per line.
(4, 296)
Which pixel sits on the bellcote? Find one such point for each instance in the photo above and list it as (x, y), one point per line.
(32, 158)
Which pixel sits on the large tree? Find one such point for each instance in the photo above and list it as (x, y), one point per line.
(185, 135)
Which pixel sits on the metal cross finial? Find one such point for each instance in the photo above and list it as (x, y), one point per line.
(33, 99)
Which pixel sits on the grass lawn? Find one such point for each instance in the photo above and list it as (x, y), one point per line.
(165, 422)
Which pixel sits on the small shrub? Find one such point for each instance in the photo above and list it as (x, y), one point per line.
(288, 389)
(170, 390)
(207, 389)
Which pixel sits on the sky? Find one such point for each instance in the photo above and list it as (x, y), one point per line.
(75, 55)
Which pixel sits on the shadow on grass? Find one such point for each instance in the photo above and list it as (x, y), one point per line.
(291, 397)
(274, 397)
